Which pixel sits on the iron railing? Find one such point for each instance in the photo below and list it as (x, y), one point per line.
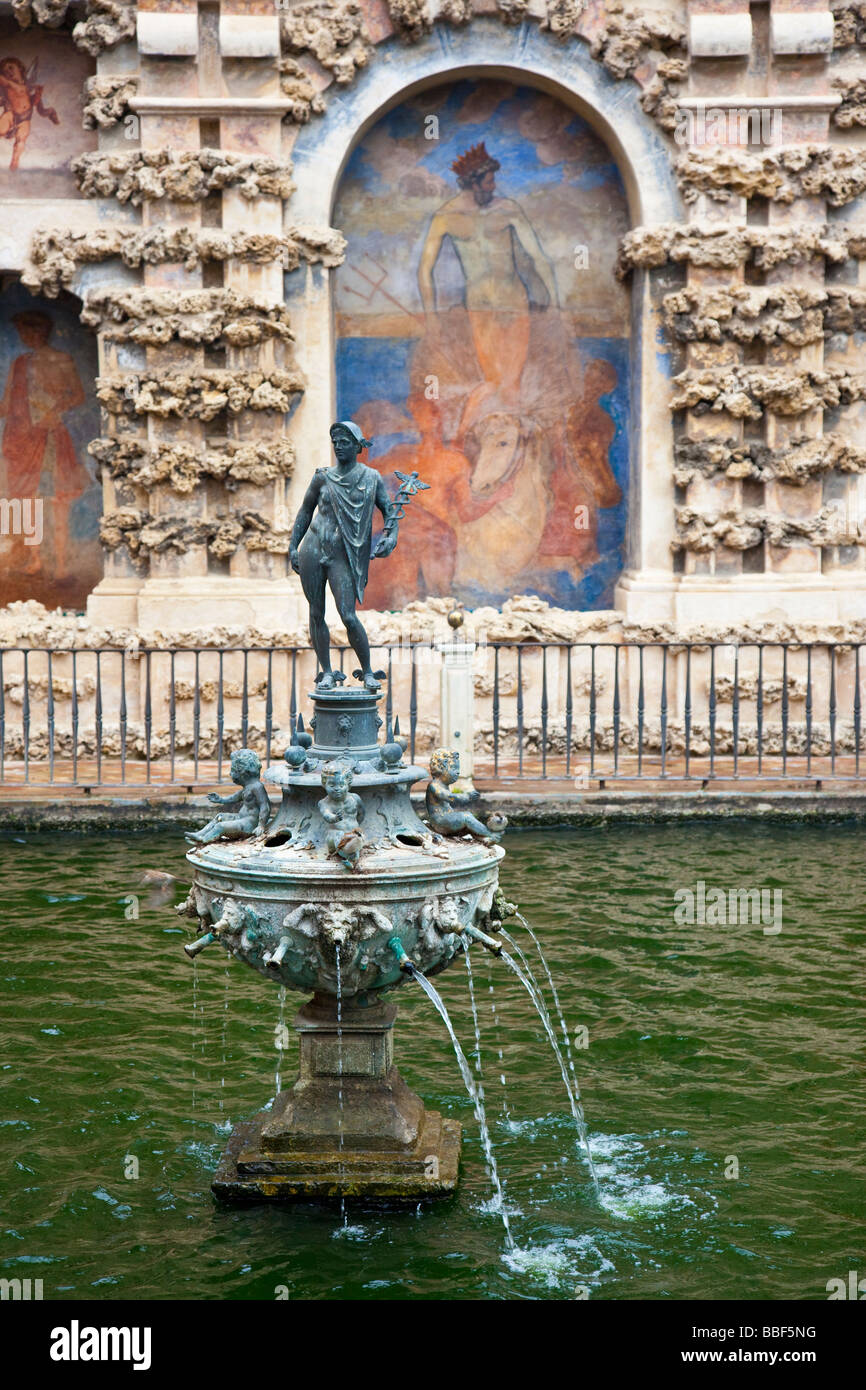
(579, 713)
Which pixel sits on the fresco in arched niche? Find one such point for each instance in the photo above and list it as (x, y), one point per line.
(482, 338)
(50, 500)
(42, 76)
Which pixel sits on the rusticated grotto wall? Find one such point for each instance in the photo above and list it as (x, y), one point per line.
(201, 251)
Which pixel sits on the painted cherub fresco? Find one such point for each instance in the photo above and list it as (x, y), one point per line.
(20, 97)
(251, 805)
(343, 810)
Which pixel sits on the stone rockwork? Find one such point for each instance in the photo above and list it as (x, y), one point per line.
(522, 620)
(849, 23)
(193, 316)
(724, 173)
(106, 24)
(49, 13)
(795, 314)
(722, 246)
(141, 533)
(743, 529)
(631, 42)
(139, 176)
(181, 467)
(648, 47)
(852, 109)
(746, 392)
(199, 395)
(798, 462)
(332, 32)
(106, 100)
(56, 257)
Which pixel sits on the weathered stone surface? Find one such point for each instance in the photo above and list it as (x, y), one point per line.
(800, 460)
(107, 23)
(107, 100)
(137, 176)
(57, 255)
(849, 23)
(742, 529)
(155, 317)
(49, 13)
(331, 31)
(295, 84)
(792, 314)
(140, 532)
(717, 246)
(182, 466)
(746, 392)
(837, 173)
(789, 314)
(524, 619)
(633, 42)
(199, 395)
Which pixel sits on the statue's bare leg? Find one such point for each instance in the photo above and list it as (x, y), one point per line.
(340, 580)
(313, 577)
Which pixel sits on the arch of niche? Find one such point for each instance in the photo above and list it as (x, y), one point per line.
(612, 109)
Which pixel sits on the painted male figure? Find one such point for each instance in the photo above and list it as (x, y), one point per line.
(335, 523)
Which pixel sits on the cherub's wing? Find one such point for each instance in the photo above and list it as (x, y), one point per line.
(32, 72)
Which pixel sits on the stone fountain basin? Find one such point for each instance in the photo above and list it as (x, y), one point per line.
(332, 920)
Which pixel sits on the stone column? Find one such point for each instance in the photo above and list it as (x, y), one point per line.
(457, 705)
(800, 40)
(721, 45)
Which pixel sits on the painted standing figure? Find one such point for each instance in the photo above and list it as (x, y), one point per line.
(19, 98)
(40, 458)
(335, 524)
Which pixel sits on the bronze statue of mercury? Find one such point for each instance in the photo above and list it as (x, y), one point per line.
(331, 544)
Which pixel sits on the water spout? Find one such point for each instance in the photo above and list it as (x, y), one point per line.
(574, 1103)
(405, 964)
(193, 948)
(475, 1095)
(492, 945)
(555, 993)
(275, 961)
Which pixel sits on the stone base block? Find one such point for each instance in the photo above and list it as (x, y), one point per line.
(248, 1173)
(349, 1127)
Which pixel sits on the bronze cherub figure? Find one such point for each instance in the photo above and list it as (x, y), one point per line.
(251, 804)
(343, 810)
(443, 805)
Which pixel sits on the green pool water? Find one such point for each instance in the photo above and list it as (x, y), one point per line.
(711, 1049)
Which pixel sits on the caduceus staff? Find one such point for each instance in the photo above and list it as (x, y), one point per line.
(410, 483)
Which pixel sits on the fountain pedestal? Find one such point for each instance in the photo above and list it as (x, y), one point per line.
(303, 911)
(348, 1127)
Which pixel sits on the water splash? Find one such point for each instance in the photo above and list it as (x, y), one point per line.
(477, 1101)
(573, 1099)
